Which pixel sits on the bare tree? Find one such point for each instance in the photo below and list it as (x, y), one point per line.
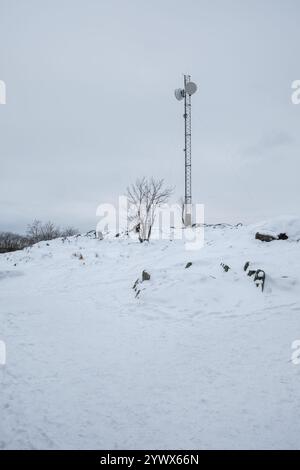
(34, 231)
(144, 197)
(50, 231)
(69, 232)
(37, 231)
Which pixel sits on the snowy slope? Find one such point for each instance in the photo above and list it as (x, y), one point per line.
(200, 360)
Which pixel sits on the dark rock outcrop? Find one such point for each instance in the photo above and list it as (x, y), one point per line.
(225, 267)
(283, 236)
(270, 238)
(145, 276)
(246, 265)
(265, 238)
(259, 279)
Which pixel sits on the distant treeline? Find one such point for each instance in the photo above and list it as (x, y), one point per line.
(36, 232)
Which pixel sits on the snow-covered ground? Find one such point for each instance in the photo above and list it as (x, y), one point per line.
(201, 359)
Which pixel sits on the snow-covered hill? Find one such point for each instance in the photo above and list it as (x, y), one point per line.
(199, 359)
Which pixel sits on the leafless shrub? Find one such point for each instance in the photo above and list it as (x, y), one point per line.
(37, 231)
(12, 241)
(69, 232)
(49, 231)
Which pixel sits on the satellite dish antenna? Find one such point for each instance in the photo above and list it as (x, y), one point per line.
(179, 94)
(190, 88)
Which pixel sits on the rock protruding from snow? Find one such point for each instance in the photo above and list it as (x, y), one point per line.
(247, 264)
(225, 267)
(283, 236)
(265, 238)
(145, 276)
(258, 275)
(259, 279)
(91, 234)
(136, 286)
(270, 238)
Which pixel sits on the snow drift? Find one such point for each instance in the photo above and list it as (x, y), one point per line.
(200, 359)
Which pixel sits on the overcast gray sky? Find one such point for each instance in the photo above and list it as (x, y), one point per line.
(90, 105)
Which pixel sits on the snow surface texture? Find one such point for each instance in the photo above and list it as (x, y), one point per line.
(201, 359)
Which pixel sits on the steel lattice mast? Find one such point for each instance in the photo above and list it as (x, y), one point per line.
(186, 93)
(188, 153)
